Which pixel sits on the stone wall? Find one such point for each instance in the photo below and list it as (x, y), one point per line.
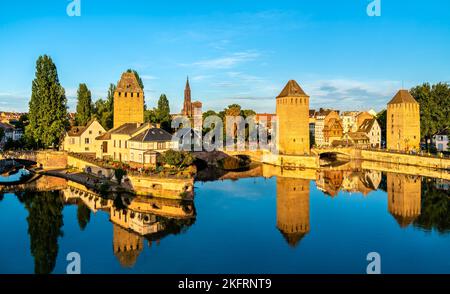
(52, 159)
(86, 166)
(162, 187)
(406, 159)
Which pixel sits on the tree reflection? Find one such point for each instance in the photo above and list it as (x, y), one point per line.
(83, 215)
(44, 227)
(435, 209)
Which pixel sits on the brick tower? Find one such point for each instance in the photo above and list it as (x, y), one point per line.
(128, 101)
(403, 122)
(293, 120)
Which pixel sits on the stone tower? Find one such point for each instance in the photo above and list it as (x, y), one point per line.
(126, 245)
(293, 120)
(187, 107)
(293, 209)
(403, 122)
(404, 197)
(128, 101)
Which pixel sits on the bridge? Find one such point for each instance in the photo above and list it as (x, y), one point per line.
(46, 159)
(37, 183)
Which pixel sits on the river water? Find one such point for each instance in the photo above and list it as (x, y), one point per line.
(249, 225)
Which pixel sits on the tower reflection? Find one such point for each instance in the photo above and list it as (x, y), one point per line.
(404, 197)
(293, 209)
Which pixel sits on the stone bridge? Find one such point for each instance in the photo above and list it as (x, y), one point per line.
(36, 184)
(346, 151)
(47, 159)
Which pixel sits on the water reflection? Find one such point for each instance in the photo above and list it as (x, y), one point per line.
(404, 194)
(134, 218)
(293, 209)
(404, 198)
(415, 203)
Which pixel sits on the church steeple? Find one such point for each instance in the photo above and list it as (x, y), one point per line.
(187, 107)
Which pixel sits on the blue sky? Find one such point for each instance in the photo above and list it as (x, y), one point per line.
(233, 51)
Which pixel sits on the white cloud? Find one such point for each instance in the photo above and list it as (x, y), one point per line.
(228, 61)
(148, 77)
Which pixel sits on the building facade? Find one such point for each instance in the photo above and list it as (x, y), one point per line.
(372, 129)
(403, 123)
(146, 146)
(441, 141)
(293, 120)
(82, 139)
(349, 121)
(128, 101)
(332, 130)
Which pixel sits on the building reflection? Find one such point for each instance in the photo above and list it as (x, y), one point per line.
(293, 209)
(404, 197)
(331, 182)
(135, 219)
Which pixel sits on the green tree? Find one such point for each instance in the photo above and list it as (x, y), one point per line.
(151, 115)
(138, 78)
(2, 134)
(104, 109)
(84, 106)
(434, 108)
(435, 212)
(163, 112)
(45, 221)
(48, 106)
(179, 159)
(382, 121)
(248, 112)
(119, 173)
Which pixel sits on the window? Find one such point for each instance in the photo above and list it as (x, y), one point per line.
(120, 143)
(120, 94)
(161, 145)
(138, 95)
(132, 95)
(114, 145)
(86, 140)
(126, 144)
(90, 132)
(72, 141)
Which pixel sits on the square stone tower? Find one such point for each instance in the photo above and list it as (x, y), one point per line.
(403, 122)
(128, 101)
(293, 120)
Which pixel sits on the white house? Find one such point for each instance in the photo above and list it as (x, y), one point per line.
(441, 141)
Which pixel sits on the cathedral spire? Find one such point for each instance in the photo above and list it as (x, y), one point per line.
(187, 107)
